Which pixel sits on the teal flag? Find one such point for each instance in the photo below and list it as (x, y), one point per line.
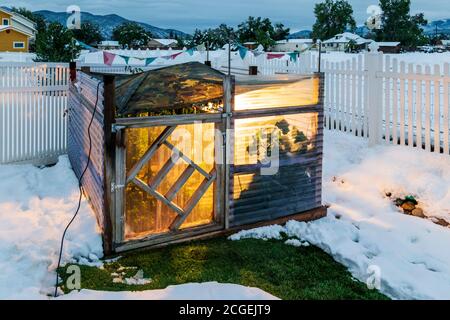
(126, 59)
(293, 56)
(242, 52)
(149, 61)
(191, 51)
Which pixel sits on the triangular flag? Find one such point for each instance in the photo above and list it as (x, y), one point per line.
(271, 56)
(108, 58)
(293, 56)
(149, 61)
(257, 53)
(190, 51)
(85, 46)
(201, 47)
(126, 59)
(176, 55)
(242, 52)
(172, 56)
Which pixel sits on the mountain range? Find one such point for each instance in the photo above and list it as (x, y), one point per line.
(108, 22)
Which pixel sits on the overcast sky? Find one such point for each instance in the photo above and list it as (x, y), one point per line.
(186, 15)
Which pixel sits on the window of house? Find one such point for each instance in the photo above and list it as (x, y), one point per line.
(5, 22)
(18, 45)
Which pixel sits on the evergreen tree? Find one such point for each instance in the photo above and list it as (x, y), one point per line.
(399, 25)
(131, 35)
(332, 17)
(89, 33)
(56, 44)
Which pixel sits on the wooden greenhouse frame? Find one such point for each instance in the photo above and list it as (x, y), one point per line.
(106, 181)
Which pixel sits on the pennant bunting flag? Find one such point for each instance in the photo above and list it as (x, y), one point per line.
(271, 56)
(86, 46)
(190, 51)
(126, 58)
(108, 58)
(257, 53)
(201, 47)
(293, 56)
(149, 61)
(242, 52)
(172, 56)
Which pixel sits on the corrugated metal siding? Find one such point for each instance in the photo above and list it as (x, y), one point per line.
(81, 103)
(294, 189)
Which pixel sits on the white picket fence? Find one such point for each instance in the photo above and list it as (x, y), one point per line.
(33, 101)
(379, 97)
(369, 95)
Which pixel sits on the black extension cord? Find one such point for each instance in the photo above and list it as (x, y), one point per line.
(80, 187)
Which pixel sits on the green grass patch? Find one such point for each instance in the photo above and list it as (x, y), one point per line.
(285, 271)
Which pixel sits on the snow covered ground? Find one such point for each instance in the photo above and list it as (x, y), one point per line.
(365, 231)
(188, 291)
(35, 206)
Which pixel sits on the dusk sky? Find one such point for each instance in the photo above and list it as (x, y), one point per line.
(186, 15)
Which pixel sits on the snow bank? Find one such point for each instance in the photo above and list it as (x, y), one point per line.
(188, 291)
(17, 57)
(35, 206)
(364, 228)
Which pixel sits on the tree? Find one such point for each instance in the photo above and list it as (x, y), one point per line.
(398, 25)
(261, 31)
(56, 44)
(89, 33)
(332, 17)
(215, 38)
(281, 33)
(131, 35)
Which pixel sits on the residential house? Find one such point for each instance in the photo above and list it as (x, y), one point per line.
(342, 42)
(251, 45)
(162, 44)
(108, 45)
(446, 44)
(16, 32)
(291, 45)
(389, 47)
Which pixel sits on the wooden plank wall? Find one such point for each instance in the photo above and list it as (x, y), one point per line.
(82, 99)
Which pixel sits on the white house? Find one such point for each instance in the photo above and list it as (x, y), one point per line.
(446, 43)
(291, 45)
(108, 45)
(162, 44)
(341, 41)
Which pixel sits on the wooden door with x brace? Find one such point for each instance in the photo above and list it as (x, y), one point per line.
(169, 182)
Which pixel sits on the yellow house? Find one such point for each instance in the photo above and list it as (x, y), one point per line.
(16, 32)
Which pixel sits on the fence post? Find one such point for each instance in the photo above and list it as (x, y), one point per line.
(374, 66)
(73, 70)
